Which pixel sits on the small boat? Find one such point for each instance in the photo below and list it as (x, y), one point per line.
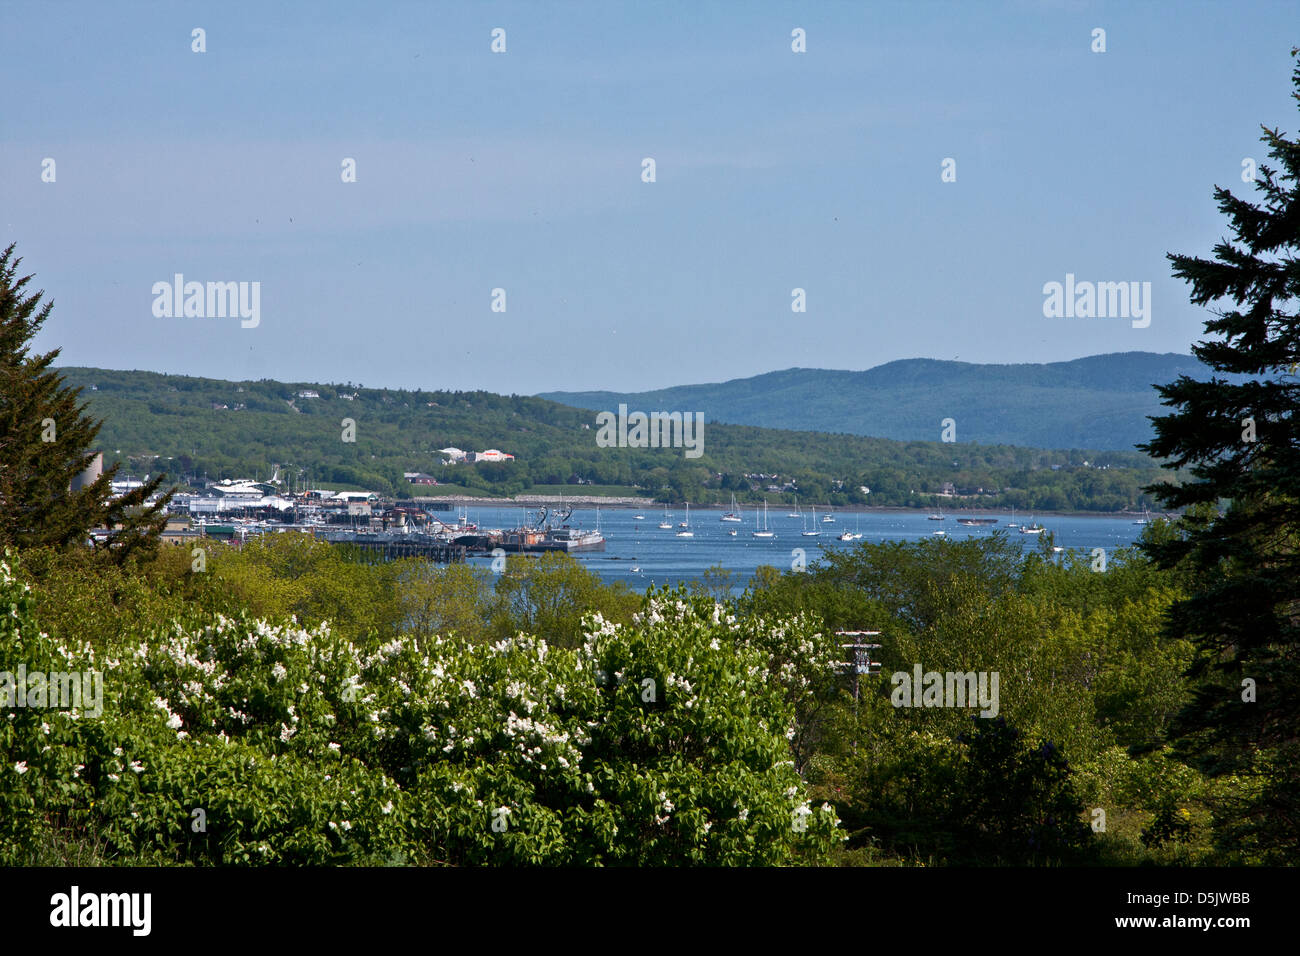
(635, 569)
(639, 518)
(828, 519)
(731, 531)
(939, 517)
(1145, 519)
(666, 524)
(796, 513)
(1034, 528)
(687, 533)
(940, 533)
(814, 532)
(734, 514)
(764, 533)
(1012, 522)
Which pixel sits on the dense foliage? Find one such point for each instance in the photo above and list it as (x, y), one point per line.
(290, 687)
(228, 739)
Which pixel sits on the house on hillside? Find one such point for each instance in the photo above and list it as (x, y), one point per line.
(419, 478)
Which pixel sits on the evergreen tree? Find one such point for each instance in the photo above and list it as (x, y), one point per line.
(46, 440)
(1238, 547)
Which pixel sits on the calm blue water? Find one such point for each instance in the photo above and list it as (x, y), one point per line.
(663, 558)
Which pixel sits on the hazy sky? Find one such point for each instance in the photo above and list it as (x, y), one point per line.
(523, 170)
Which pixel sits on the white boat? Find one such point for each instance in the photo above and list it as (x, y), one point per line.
(855, 534)
(939, 517)
(732, 532)
(734, 514)
(796, 513)
(638, 518)
(763, 533)
(940, 533)
(1012, 522)
(635, 569)
(1145, 519)
(687, 533)
(666, 524)
(814, 532)
(1033, 528)
(828, 519)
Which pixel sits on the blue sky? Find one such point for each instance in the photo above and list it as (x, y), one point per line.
(522, 171)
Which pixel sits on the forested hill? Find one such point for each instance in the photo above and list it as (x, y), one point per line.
(190, 426)
(1097, 402)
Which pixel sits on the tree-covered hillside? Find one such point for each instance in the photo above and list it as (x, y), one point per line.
(1102, 401)
(199, 426)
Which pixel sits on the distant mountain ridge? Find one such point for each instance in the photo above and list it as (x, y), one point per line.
(1101, 401)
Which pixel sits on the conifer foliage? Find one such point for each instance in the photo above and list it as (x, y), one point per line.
(47, 440)
(1240, 542)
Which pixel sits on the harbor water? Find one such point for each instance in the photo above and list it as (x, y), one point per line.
(643, 555)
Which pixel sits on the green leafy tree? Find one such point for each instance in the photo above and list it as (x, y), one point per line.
(1240, 445)
(46, 441)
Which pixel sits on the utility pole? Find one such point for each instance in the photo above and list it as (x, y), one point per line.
(862, 664)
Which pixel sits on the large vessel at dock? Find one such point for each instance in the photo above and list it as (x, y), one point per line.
(551, 531)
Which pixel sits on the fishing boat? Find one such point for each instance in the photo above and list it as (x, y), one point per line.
(734, 514)
(828, 518)
(1033, 528)
(763, 532)
(855, 533)
(686, 525)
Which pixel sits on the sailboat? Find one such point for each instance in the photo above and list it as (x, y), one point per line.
(814, 532)
(733, 514)
(764, 533)
(796, 513)
(1012, 522)
(688, 533)
(939, 517)
(1145, 519)
(666, 524)
(854, 534)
